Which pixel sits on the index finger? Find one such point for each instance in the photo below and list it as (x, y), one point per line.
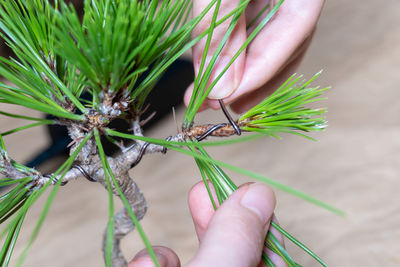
(231, 79)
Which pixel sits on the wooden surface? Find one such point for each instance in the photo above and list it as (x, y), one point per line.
(354, 165)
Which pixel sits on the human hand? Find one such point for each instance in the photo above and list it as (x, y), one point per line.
(232, 236)
(269, 59)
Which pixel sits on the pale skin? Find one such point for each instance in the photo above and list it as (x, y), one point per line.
(268, 61)
(231, 236)
(234, 234)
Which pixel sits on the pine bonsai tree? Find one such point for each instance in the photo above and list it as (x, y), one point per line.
(116, 53)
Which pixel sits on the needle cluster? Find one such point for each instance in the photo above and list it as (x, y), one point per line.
(88, 71)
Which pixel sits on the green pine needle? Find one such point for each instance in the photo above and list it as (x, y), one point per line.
(284, 110)
(298, 243)
(27, 28)
(224, 187)
(15, 204)
(177, 50)
(22, 117)
(121, 48)
(118, 40)
(14, 96)
(110, 224)
(108, 170)
(44, 122)
(171, 145)
(38, 192)
(262, 11)
(9, 243)
(201, 92)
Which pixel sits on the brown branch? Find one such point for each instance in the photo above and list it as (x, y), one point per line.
(88, 164)
(223, 130)
(122, 221)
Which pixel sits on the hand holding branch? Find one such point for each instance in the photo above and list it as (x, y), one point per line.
(268, 61)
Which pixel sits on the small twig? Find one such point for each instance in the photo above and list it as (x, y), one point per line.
(74, 141)
(120, 144)
(176, 122)
(143, 122)
(144, 110)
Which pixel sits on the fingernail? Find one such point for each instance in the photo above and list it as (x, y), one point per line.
(228, 82)
(256, 199)
(144, 259)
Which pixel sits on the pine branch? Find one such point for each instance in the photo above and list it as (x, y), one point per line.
(59, 57)
(180, 147)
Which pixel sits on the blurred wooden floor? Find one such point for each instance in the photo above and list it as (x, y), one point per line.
(354, 166)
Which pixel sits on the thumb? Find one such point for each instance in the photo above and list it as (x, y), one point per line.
(165, 256)
(236, 233)
(231, 79)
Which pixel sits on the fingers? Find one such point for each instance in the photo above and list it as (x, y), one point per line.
(236, 232)
(188, 94)
(252, 98)
(277, 43)
(231, 79)
(233, 236)
(275, 48)
(165, 256)
(275, 258)
(201, 208)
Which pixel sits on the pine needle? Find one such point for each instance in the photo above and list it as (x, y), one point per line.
(37, 193)
(201, 92)
(245, 172)
(285, 111)
(107, 169)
